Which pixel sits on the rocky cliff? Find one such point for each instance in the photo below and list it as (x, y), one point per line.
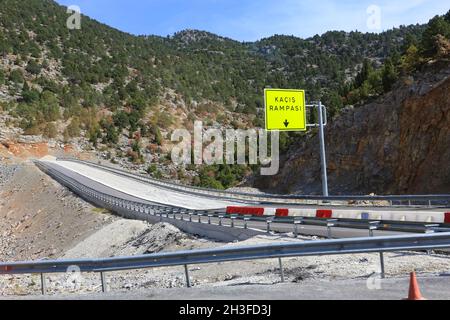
(398, 144)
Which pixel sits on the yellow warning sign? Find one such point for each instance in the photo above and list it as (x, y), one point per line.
(285, 110)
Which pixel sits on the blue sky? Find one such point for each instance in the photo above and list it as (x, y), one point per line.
(247, 20)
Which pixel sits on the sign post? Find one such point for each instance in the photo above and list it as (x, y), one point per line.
(323, 157)
(285, 110)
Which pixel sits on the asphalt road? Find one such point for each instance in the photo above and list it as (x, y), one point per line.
(432, 288)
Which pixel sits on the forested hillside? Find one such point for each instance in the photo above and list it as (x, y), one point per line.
(124, 93)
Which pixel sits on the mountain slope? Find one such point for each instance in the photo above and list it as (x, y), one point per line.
(121, 96)
(95, 65)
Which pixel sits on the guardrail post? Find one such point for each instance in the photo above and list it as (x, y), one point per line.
(220, 220)
(382, 265)
(281, 269)
(103, 279)
(330, 223)
(186, 272)
(209, 218)
(429, 228)
(373, 225)
(297, 222)
(246, 220)
(232, 221)
(269, 221)
(181, 215)
(43, 284)
(200, 217)
(190, 216)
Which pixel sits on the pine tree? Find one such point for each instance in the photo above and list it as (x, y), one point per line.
(411, 59)
(389, 75)
(366, 70)
(437, 26)
(2, 77)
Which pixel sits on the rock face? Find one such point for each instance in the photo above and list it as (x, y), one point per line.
(398, 144)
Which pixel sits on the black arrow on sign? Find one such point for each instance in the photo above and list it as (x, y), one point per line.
(286, 123)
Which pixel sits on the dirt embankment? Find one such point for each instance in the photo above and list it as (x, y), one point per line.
(39, 218)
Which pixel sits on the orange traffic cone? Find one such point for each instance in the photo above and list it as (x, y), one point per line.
(414, 291)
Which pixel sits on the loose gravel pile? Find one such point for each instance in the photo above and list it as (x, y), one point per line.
(132, 237)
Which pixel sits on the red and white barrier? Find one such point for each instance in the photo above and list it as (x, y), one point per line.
(282, 213)
(324, 214)
(382, 215)
(253, 211)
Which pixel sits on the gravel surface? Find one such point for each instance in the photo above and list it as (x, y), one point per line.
(7, 171)
(132, 237)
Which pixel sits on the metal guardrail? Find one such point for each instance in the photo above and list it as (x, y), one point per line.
(269, 199)
(143, 210)
(226, 254)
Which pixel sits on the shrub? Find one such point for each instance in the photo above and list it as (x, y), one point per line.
(2, 77)
(73, 129)
(33, 67)
(50, 130)
(16, 76)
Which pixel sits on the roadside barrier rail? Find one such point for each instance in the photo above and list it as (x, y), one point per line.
(227, 254)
